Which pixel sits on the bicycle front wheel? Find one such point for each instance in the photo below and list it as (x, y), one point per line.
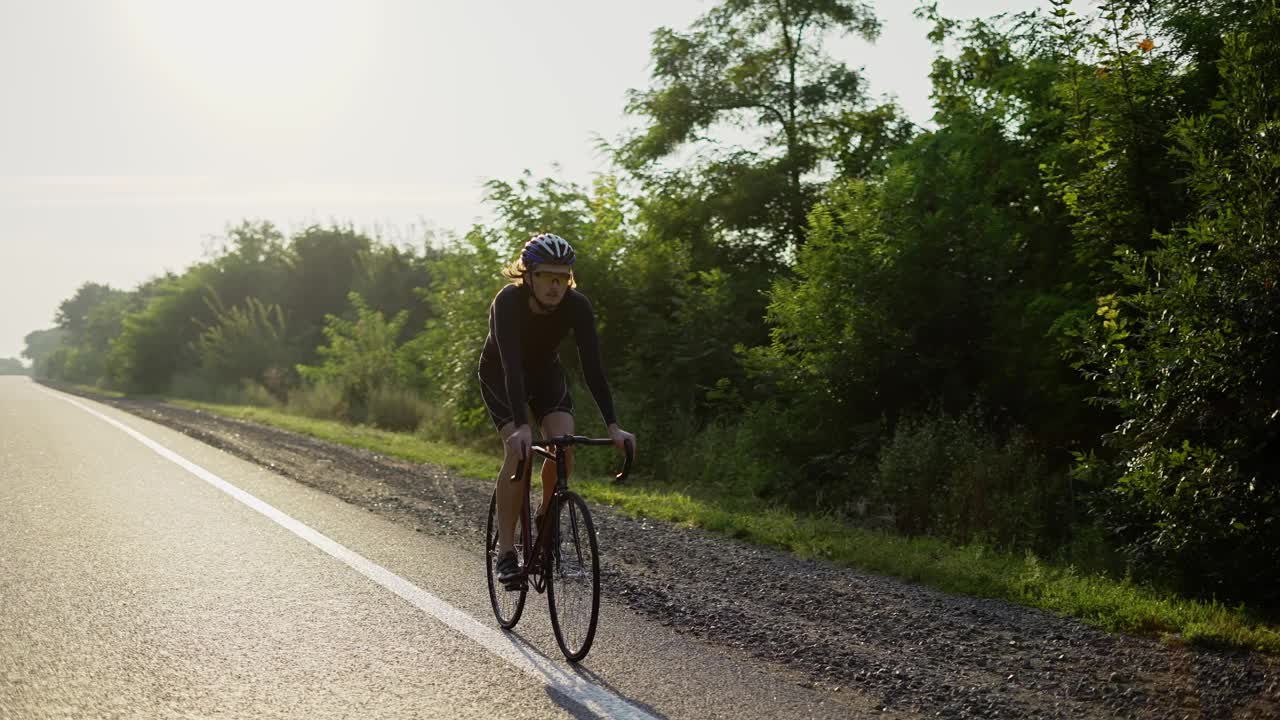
(507, 604)
(573, 576)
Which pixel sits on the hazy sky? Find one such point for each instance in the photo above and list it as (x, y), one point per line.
(133, 131)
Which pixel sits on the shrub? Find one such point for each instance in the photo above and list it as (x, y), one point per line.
(320, 400)
(948, 476)
(395, 408)
(718, 454)
(197, 385)
(244, 343)
(469, 428)
(258, 395)
(677, 448)
(361, 357)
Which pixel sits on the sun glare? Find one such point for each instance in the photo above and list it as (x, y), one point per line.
(258, 63)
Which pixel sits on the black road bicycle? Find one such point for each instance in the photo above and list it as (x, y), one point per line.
(560, 556)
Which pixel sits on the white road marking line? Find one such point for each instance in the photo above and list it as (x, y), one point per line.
(591, 696)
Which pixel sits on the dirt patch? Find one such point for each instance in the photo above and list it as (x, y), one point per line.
(915, 648)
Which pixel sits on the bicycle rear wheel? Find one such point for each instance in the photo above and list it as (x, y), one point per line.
(507, 604)
(573, 576)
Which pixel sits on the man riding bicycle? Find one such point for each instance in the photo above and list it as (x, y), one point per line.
(520, 369)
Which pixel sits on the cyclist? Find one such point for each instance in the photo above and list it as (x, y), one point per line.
(520, 368)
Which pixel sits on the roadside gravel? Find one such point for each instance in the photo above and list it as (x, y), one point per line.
(918, 649)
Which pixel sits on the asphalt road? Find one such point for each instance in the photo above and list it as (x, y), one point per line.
(144, 574)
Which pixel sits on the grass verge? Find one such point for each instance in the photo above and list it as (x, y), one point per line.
(92, 390)
(1106, 603)
(397, 444)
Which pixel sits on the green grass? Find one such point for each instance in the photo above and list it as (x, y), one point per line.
(397, 444)
(1110, 604)
(92, 390)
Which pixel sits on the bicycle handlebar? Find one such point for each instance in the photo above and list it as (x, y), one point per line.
(546, 445)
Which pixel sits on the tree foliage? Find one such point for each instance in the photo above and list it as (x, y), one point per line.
(465, 277)
(39, 345)
(247, 342)
(1189, 352)
(361, 356)
(758, 66)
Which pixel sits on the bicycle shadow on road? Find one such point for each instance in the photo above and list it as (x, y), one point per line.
(579, 691)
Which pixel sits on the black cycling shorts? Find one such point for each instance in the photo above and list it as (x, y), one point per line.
(547, 386)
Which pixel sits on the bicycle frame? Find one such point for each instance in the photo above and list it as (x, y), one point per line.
(552, 449)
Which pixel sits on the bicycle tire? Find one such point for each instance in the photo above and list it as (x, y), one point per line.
(573, 578)
(506, 609)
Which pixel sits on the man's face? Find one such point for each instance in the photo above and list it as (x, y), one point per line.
(550, 282)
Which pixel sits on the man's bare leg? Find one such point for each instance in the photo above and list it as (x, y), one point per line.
(507, 494)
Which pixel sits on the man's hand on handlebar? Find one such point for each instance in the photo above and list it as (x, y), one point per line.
(621, 437)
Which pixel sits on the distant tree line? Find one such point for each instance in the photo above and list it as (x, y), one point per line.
(1050, 322)
(13, 366)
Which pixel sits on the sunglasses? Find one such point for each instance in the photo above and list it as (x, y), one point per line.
(548, 276)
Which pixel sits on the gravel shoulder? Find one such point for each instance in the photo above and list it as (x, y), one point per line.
(917, 649)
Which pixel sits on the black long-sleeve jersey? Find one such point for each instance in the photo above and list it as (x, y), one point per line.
(520, 339)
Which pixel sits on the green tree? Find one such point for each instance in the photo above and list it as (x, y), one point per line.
(389, 279)
(89, 321)
(759, 67)
(73, 313)
(39, 346)
(1117, 175)
(938, 282)
(1188, 353)
(253, 262)
(935, 289)
(325, 264)
(159, 339)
